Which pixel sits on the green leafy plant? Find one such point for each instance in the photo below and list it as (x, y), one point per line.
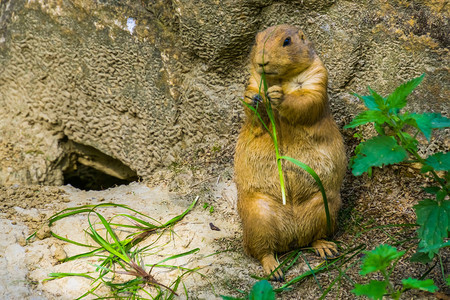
(383, 259)
(395, 144)
(122, 256)
(261, 290)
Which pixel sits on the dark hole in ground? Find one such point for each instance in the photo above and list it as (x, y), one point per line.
(87, 168)
(87, 178)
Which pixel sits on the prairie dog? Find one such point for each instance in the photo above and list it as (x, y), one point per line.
(297, 92)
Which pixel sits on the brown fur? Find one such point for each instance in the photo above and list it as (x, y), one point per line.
(297, 89)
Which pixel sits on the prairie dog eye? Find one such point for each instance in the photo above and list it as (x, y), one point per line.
(287, 42)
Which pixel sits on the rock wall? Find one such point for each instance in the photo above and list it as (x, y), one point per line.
(156, 84)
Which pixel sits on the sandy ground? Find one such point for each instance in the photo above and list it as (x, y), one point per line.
(24, 266)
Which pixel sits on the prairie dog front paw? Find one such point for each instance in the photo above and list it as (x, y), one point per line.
(253, 99)
(275, 94)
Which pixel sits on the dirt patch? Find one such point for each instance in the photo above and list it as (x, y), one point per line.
(368, 204)
(25, 209)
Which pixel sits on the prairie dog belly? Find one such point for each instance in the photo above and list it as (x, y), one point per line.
(262, 172)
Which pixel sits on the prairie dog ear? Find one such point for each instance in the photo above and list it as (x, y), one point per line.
(301, 35)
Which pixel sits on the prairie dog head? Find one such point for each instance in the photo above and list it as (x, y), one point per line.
(281, 51)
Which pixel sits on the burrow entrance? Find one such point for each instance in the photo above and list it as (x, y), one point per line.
(87, 168)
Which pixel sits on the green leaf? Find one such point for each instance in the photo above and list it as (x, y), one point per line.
(425, 169)
(433, 219)
(447, 281)
(435, 247)
(369, 102)
(378, 151)
(398, 98)
(432, 190)
(262, 290)
(379, 259)
(366, 117)
(423, 123)
(374, 290)
(230, 298)
(379, 100)
(426, 122)
(424, 285)
(441, 195)
(439, 121)
(439, 161)
(420, 257)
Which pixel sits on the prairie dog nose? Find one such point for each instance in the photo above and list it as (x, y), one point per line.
(263, 64)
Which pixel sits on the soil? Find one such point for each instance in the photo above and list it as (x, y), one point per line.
(213, 226)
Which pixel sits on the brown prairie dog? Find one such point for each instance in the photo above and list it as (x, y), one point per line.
(297, 91)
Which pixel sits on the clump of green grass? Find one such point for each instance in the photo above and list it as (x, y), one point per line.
(120, 264)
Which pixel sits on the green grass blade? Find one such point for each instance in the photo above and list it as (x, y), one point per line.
(338, 278)
(106, 245)
(70, 241)
(91, 292)
(274, 138)
(178, 268)
(112, 234)
(82, 255)
(284, 262)
(70, 212)
(62, 275)
(297, 255)
(179, 217)
(356, 250)
(179, 255)
(31, 236)
(312, 271)
(83, 209)
(145, 223)
(258, 116)
(319, 183)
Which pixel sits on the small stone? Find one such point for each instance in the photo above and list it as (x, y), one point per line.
(58, 252)
(21, 241)
(43, 232)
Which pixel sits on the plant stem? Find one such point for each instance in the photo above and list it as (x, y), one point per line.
(414, 153)
(389, 284)
(433, 172)
(442, 266)
(274, 137)
(263, 84)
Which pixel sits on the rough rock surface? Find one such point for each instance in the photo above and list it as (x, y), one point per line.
(151, 89)
(157, 84)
